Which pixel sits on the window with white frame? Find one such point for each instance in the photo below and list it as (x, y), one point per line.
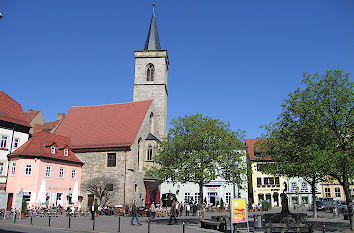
(228, 198)
(1, 168)
(52, 150)
(13, 168)
(61, 172)
(16, 143)
(293, 187)
(28, 169)
(187, 197)
(48, 171)
(197, 197)
(149, 153)
(327, 192)
(3, 142)
(303, 186)
(337, 192)
(73, 174)
(66, 152)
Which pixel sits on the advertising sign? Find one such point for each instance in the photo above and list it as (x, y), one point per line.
(239, 210)
(18, 200)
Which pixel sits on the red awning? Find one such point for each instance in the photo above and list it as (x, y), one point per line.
(147, 200)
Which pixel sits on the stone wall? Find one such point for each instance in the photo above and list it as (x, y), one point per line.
(126, 173)
(156, 89)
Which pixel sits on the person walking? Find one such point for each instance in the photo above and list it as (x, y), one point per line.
(173, 213)
(153, 210)
(195, 209)
(92, 211)
(188, 209)
(135, 212)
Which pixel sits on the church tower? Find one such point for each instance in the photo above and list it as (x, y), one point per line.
(151, 67)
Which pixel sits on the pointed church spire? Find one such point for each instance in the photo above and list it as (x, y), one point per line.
(152, 40)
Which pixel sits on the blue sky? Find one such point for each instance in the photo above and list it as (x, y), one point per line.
(233, 60)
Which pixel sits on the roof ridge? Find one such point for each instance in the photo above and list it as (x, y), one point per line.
(111, 104)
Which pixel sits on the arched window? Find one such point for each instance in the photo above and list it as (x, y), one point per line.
(139, 144)
(149, 153)
(151, 121)
(150, 70)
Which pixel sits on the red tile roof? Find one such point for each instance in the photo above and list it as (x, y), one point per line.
(102, 126)
(11, 111)
(46, 127)
(31, 114)
(39, 146)
(250, 143)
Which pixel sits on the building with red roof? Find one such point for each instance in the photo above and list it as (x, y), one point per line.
(14, 132)
(119, 140)
(34, 117)
(262, 187)
(46, 170)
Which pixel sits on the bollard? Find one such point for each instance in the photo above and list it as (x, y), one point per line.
(49, 220)
(14, 217)
(69, 221)
(31, 219)
(93, 223)
(323, 227)
(148, 225)
(119, 224)
(183, 227)
(271, 227)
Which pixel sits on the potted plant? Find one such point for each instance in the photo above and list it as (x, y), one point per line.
(250, 208)
(222, 207)
(24, 208)
(266, 205)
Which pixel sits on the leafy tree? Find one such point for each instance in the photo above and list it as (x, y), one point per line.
(102, 188)
(199, 149)
(312, 135)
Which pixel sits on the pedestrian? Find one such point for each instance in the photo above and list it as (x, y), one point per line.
(195, 208)
(181, 209)
(135, 212)
(188, 209)
(153, 210)
(177, 208)
(92, 211)
(173, 213)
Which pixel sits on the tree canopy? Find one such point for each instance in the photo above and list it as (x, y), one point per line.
(198, 149)
(312, 136)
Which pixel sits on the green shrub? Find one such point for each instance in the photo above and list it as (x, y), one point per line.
(24, 206)
(266, 205)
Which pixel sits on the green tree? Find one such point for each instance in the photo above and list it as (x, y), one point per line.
(198, 149)
(312, 135)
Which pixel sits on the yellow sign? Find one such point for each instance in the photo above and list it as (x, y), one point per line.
(239, 210)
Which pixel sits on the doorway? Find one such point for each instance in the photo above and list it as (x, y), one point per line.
(212, 198)
(9, 201)
(59, 199)
(90, 200)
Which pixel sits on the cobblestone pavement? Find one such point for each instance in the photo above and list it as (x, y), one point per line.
(110, 224)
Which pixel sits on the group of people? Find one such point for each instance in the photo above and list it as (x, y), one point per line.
(176, 210)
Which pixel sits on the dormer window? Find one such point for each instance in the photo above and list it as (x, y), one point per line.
(150, 70)
(52, 150)
(66, 152)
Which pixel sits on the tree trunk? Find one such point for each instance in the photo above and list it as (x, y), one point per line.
(201, 185)
(349, 201)
(313, 192)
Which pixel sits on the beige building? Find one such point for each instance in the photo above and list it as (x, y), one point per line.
(119, 140)
(262, 186)
(332, 189)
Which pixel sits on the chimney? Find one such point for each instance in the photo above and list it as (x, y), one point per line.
(60, 116)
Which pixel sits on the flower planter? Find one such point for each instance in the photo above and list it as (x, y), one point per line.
(22, 215)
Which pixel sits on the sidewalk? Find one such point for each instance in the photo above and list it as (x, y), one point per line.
(110, 223)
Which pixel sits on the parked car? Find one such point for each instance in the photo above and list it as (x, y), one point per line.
(340, 205)
(319, 206)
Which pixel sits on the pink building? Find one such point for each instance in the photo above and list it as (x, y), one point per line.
(47, 170)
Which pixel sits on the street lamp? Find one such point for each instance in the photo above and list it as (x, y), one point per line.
(233, 169)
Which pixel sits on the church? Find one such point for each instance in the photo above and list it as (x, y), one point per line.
(119, 140)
